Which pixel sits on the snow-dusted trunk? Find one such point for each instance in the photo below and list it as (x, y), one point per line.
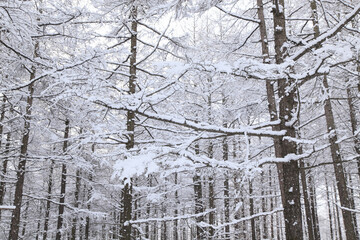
(21, 169)
(198, 199)
(252, 211)
(287, 107)
(4, 170)
(308, 215)
(270, 92)
(313, 207)
(212, 219)
(63, 183)
(88, 196)
(329, 210)
(225, 149)
(126, 213)
(351, 98)
(176, 211)
(341, 183)
(48, 202)
(76, 203)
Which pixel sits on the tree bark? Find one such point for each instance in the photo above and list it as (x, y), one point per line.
(309, 220)
(63, 184)
(287, 106)
(76, 204)
(126, 214)
(21, 169)
(225, 149)
(48, 202)
(199, 201)
(338, 166)
(4, 170)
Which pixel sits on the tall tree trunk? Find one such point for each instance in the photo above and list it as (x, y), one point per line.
(338, 166)
(309, 220)
(199, 202)
(76, 204)
(313, 207)
(329, 210)
(345, 200)
(48, 202)
(351, 98)
(130, 127)
(38, 231)
(63, 183)
(176, 211)
(287, 107)
(21, 169)
(25, 219)
(211, 231)
(4, 170)
(225, 149)
(252, 212)
(89, 195)
(270, 92)
(339, 231)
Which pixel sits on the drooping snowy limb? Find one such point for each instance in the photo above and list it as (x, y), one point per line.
(47, 74)
(161, 34)
(236, 221)
(238, 16)
(5, 207)
(322, 38)
(22, 55)
(180, 121)
(166, 219)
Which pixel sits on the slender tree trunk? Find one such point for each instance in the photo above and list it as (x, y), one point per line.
(309, 220)
(38, 231)
(252, 212)
(76, 204)
(339, 228)
(4, 170)
(338, 167)
(354, 123)
(287, 107)
(130, 127)
(345, 200)
(176, 211)
(225, 149)
(313, 207)
(63, 184)
(25, 219)
(21, 169)
(48, 202)
(329, 210)
(264, 205)
(89, 194)
(198, 198)
(211, 231)
(272, 108)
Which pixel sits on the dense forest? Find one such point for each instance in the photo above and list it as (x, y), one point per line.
(179, 119)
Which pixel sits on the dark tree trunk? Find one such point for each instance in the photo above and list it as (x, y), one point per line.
(126, 213)
(63, 183)
(4, 170)
(338, 167)
(21, 169)
(211, 231)
(176, 211)
(252, 212)
(76, 204)
(48, 202)
(226, 191)
(287, 107)
(309, 219)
